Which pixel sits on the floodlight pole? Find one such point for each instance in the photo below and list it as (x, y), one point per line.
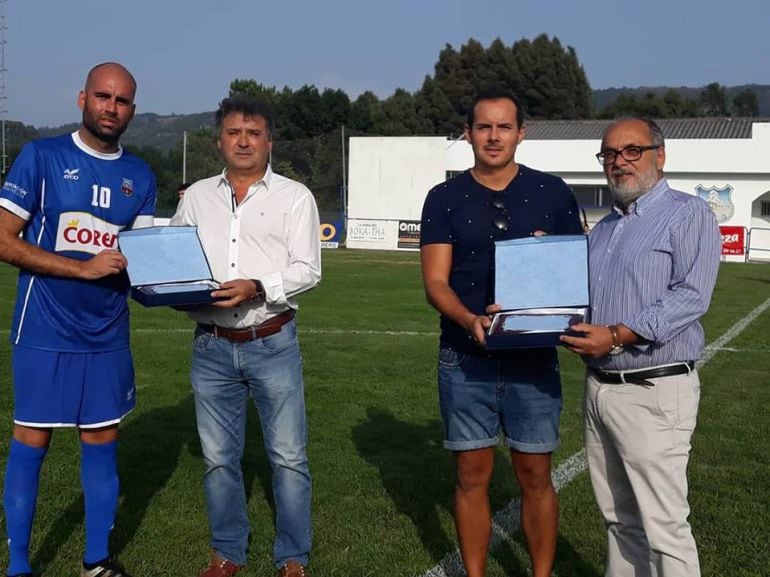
(2, 172)
(344, 179)
(3, 96)
(184, 156)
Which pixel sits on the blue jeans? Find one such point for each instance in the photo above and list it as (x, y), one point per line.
(223, 374)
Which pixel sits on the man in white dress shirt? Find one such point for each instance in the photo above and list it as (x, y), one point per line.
(260, 232)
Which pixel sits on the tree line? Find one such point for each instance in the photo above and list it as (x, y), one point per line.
(712, 101)
(546, 75)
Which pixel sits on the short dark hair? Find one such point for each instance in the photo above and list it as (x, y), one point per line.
(246, 105)
(183, 186)
(496, 93)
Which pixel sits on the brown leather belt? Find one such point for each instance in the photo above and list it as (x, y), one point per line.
(269, 327)
(641, 376)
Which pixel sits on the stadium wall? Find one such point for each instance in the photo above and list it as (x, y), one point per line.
(390, 176)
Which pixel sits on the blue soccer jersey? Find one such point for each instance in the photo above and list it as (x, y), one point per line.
(75, 201)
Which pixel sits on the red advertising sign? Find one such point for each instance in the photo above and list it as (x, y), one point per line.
(733, 239)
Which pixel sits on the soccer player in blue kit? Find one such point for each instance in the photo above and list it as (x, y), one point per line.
(63, 203)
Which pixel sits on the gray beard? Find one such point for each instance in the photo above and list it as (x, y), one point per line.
(624, 195)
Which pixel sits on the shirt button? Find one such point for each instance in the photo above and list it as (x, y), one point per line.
(232, 264)
(233, 240)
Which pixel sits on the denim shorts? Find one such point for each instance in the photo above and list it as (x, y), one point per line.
(479, 395)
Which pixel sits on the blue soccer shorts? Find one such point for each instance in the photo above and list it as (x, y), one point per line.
(85, 390)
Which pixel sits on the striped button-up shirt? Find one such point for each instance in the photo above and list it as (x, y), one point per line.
(654, 270)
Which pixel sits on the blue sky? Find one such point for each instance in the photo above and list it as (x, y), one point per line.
(184, 54)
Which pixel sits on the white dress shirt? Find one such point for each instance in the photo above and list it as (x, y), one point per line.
(272, 236)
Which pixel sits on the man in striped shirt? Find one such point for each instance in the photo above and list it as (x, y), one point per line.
(653, 266)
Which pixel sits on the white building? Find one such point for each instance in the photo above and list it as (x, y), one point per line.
(726, 161)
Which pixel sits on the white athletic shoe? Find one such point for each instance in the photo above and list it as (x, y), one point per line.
(110, 568)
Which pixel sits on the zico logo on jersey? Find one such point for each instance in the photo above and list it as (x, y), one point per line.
(83, 232)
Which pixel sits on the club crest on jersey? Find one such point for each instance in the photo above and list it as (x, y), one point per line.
(71, 174)
(127, 187)
(83, 232)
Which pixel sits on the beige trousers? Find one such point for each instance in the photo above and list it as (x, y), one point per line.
(638, 443)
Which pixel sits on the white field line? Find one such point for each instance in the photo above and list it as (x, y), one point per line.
(714, 348)
(307, 331)
(383, 261)
(506, 521)
(732, 332)
(734, 350)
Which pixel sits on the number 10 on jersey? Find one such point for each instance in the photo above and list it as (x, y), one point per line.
(101, 196)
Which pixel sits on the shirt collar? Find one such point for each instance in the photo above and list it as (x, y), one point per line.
(266, 179)
(95, 153)
(519, 174)
(646, 200)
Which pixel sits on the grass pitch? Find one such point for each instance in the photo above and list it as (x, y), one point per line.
(382, 483)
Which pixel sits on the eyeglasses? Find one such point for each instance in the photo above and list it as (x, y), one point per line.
(629, 153)
(498, 201)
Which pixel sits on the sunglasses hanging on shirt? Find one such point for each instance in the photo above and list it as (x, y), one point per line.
(498, 201)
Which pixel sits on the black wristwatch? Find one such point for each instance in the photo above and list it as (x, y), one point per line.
(260, 289)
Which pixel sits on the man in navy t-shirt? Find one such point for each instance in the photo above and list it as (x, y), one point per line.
(61, 208)
(481, 392)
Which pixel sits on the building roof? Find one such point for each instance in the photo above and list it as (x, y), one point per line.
(673, 128)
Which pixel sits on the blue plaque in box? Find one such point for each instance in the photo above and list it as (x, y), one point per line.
(541, 283)
(167, 266)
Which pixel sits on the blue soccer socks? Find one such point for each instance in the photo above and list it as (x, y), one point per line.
(22, 474)
(99, 477)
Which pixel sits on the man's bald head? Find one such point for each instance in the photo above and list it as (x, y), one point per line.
(107, 102)
(109, 68)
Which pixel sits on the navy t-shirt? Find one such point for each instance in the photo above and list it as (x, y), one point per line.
(460, 212)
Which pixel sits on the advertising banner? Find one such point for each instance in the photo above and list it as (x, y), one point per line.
(367, 231)
(733, 240)
(409, 234)
(331, 231)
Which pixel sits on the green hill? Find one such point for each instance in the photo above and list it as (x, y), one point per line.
(605, 96)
